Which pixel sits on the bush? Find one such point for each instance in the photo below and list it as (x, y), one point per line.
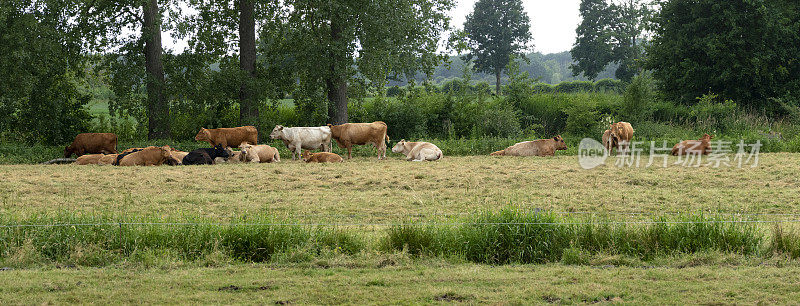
(542, 88)
(573, 87)
(711, 115)
(609, 86)
(638, 99)
(582, 120)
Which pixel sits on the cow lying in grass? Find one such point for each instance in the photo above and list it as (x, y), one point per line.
(321, 157)
(695, 147)
(259, 154)
(541, 147)
(205, 156)
(418, 151)
(150, 156)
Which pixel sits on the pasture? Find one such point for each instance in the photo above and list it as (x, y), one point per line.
(364, 197)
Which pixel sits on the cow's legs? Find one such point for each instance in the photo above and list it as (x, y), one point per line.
(297, 150)
(349, 152)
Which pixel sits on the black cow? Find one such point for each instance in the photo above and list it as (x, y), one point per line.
(205, 156)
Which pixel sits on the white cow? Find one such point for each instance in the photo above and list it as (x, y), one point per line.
(299, 138)
(418, 151)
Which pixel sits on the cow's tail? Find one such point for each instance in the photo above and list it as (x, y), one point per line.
(60, 161)
(387, 138)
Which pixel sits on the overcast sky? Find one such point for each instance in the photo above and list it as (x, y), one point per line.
(553, 23)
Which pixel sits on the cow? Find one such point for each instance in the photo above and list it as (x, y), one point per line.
(700, 146)
(150, 156)
(259, 154)
(107, 159)
(205, 156)
(418, 151)
(609, 141)
(89, 159)
(92, 143)
(228, 137)
(234, 157)
(350, 134)
(299, 138)
(541, 147)
(177, 156)
(322, 157)
(623, 132)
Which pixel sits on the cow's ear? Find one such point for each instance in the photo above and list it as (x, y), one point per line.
(330, 125)
(280, 128)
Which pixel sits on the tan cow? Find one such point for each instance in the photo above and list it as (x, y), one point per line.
(623, 132)
(321, 157)
(700, 146)
(609, 141)
(541, 147)
(228, 137)
(418, 151)
(107, 159)
(350, 134)
(150, 156)
(92, 143)
(259, 154)
(89, 159)
(234, 158)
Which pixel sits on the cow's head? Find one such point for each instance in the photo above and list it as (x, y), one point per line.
(400, 146)
(707, 137)
(220, 151)
(245, 149)
(306, 155)
(277, 132)
(560, 145)
(68, 151)
(202, 135)
(165, 152)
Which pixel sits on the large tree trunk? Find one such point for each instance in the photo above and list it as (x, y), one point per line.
(336, 85)
(157, 106)
(248, 109)
(497, 73)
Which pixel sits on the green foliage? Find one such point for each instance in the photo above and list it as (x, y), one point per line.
(582, 119)
(574, 86)
(638, 100)
(698, 48)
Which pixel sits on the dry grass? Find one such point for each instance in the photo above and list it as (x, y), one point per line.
(377, 190)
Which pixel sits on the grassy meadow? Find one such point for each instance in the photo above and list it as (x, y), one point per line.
(369, 231)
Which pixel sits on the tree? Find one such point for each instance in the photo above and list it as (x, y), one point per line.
(41, 65)
(248, 110)
(340, 43)
(104, 20)
(497, 30)
(743, 50)
(610, 33)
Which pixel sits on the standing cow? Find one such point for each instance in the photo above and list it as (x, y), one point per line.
(350, 134)
(623, 132)
(228, 137)
(92, 143)
(299, 138)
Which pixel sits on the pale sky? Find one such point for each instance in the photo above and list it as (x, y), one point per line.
(553, 24)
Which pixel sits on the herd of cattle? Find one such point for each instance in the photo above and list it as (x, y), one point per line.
(100, 148)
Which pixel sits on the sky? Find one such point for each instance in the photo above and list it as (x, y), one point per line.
(553, 24)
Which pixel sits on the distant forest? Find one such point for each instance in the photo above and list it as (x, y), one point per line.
(550, 68)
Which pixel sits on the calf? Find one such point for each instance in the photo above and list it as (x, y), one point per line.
(623, 132)
(96, 143)
(350, 134)
(541, 147)
(228, 137)
(89, 159)
(150, 156)
(234, 158)
(205, 156)
(321, 157)
(298, 138)
(609, 141)
(259, 154)
(700, 146)
(418, 151)
(108, 159)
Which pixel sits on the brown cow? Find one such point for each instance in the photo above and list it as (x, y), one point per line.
(89, 159)
(609, 141)
(321, 157)
(87, 143)
(623, 132)
(107, 159)
(150, 156)
(228, 137)
(700, 146)
(541, 147)
(350, 134)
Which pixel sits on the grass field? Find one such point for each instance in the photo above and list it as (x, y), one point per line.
(365, 190)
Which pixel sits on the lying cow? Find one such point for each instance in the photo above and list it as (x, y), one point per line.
(418, 151)
(623, 132)
(92, 143)
(107, 159)
(322, 157)
(89, 159)
(700, 146)
(541, 147)
(259, 154)
(234, 157)
(299, 138)
(609, 141)
(350, 134)
(205, 156)
(150, 156)
(228, 137)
